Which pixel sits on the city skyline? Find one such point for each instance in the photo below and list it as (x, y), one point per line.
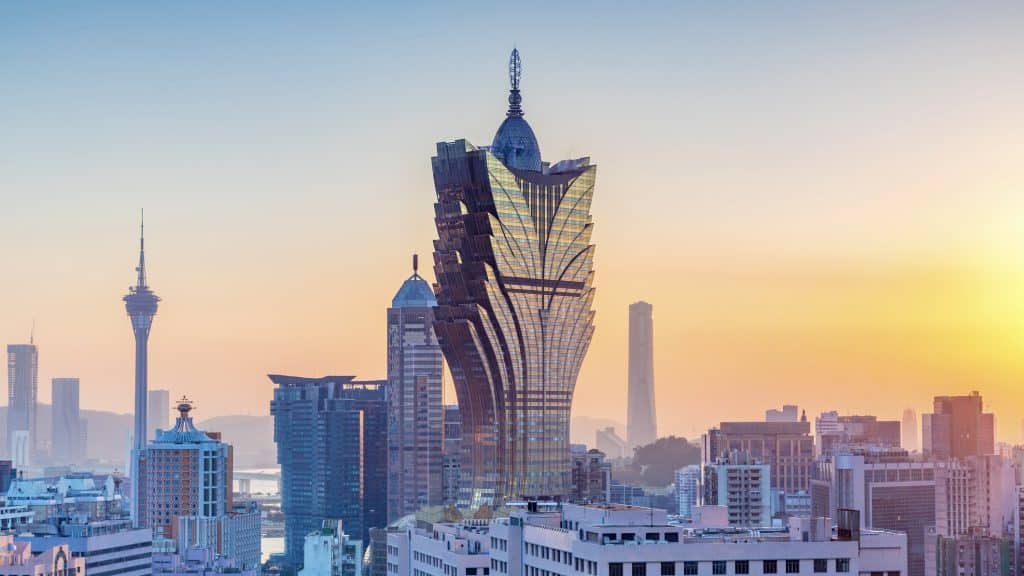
(873, 273)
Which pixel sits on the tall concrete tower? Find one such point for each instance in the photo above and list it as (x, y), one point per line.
(141, 304)
(641, 420)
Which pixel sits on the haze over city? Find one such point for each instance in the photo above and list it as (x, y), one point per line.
(823, 205)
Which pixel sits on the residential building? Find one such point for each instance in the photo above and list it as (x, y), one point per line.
(642, 421)
(976, 554)
(234, 536)
(591, 476)
(108, 547)
(741, 484)
(958, 428)
(786, 447)
(22, 397)
(688, 490)
(615, 540)
(331, 552)
(183, 472)
(19, 558)
(68, 444)
(832, 430)
(514, 268)
(415, 407)
(331, 436)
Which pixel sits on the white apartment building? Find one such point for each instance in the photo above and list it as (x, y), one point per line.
(618, 540)
(688, 490)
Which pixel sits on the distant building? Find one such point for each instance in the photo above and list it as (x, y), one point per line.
(68, 445)
(591, 476)
(741, 484)
(415, 408)
(452, 471)
(20, 558)
(958, 428)
(642, 421)
(627, 494)
(80, 494)
(198, 562)
(788, 413)
(183, 472)
(22, 397)
(331, 436)
(607, 441)
(329, 551)
(688, 490)
(976, 554)
(786, 447)
(159, 414)
(909, 430)
(234, 535)
(832, 430)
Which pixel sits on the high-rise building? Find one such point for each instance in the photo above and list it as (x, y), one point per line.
(608, 441)
(331, 435)
(688, 490)
(641, 422)
(22, 395)
(786, 447)
(742, 485)
(514, 268)
(832, 430)
(183, 472)
(958, 428)
(415, 418)
(68, 445)
(141, 304)
(909, 430)
(452, 471)
(159, 411)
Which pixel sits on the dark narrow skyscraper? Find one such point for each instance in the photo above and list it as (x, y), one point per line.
(22, 393)
(141, 304)
(514, 268)
(68, 444)
(415, 418)
(641, 423)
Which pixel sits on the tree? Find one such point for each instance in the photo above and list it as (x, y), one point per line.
(658, 462)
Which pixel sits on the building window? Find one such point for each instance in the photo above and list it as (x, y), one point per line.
(668, 569)
(718, 567)
(742, 566)
(792, 566)
(842, 564)
(770, 567)
(820, 565)
(639, 569)
(652, 536)
(628, 536)
(671, 537)
(615, 569)
(689, 568)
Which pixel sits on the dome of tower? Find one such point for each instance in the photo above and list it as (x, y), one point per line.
(415, 292)
(516, 145)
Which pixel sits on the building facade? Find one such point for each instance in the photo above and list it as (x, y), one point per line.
(452, 472)
(109, 547)
(958, 427)
(908, 430)
(19, 558)
(786, 447)
(688, 488)
(183, 472)
(833, 430)
(329, 551)
(22, 397)
(641, 417)
(514, 268)
(331, 436)
(591, 476)
(743, 486)
(234, 536)
(158, 414)
(415, 406)
(68, 444)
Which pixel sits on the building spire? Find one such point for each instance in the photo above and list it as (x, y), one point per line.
(515, 72)
(142, 251)
(415, 265)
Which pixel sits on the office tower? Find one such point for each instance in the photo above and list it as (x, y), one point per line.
(688, 490)
(415, 419)
(514, 268)
(452, 455)
(832, 430)
(183, 472)
(608, 441)
(788, 413)
(909, 430)
(158, 414)
(68, 444)
(642, 422)
(786, 447)
(22, 394)
(331, 436)
(591, 476)
(958, 428)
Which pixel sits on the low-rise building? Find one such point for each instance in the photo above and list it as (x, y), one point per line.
(330, 552)
(19, 558)
(107, 547)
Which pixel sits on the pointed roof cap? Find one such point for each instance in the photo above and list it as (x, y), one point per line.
(415, 291)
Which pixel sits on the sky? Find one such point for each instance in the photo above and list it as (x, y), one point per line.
(822, 201)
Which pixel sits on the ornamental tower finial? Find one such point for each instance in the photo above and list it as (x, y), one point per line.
(515, 72)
